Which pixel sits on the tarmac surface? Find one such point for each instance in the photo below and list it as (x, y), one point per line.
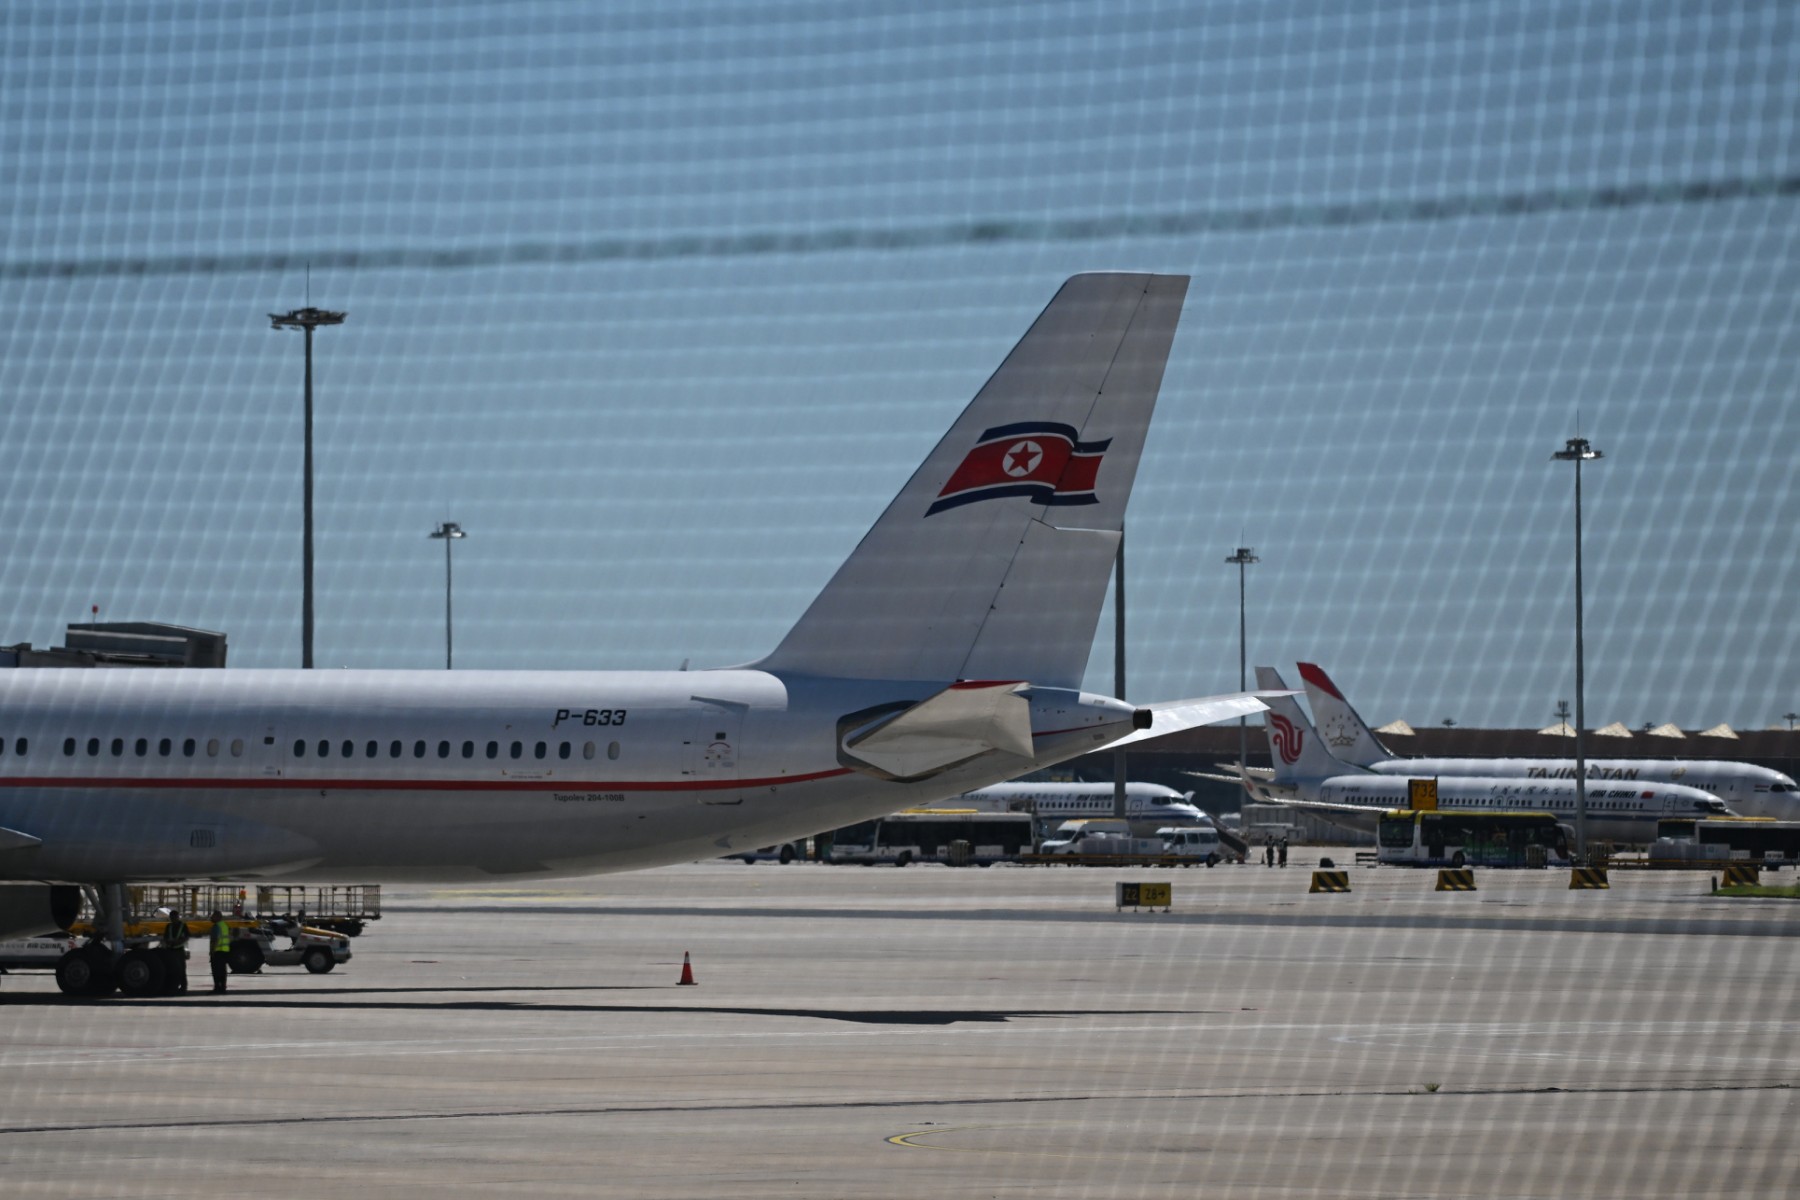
(930, 1032)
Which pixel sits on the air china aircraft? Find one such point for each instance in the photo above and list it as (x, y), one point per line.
(1749, 790)
(1148, 806)
(945, 654)
(1307, 776)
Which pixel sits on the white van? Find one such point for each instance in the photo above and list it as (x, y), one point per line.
(1098, 835)
(1193, 841)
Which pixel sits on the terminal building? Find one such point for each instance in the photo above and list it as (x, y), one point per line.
(123, 644)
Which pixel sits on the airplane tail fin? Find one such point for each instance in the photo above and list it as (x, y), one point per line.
(1345, 732)
(992, 562)
(1295, 750)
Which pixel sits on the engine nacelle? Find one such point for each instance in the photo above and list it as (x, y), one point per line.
(34, 909)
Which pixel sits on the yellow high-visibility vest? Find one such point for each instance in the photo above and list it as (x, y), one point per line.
(221, 938)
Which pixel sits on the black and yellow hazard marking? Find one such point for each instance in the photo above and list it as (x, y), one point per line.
(1740, 874)
(1330, 881)
(1456, 879)
(1588, 879)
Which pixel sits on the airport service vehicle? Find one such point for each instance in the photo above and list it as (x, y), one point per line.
(1472, 838)
(1753, 839)
(34, 953)
(1306, 776)
(1100, 836)
(784, 853)
(1747, 789)
(960, 836)
(283, 943)
(1193, 842)
(945, 654)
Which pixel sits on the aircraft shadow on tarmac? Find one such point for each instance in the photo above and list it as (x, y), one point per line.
(374, 1001)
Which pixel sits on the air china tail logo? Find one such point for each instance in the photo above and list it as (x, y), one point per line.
(1286, 738)
(1040, 459)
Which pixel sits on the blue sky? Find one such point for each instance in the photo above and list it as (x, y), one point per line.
(663, 303)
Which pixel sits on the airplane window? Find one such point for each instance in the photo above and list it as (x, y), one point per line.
(419, 748)
(541, 750)
(562, 751)
(187, 748)
(443, 749)
(141, 746)
(20, 746)
(493, 750)
(299, 747)
(612, 750)
(69, 746)
(164, 746)
(587, 750)
(324, 748)
(517, 749)
(237, 747)
(349, 748)
(468, 749)
(394, 749)
(212, 747)
(373, 748)
(118, 747)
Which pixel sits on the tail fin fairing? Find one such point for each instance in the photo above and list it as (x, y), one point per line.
(992, 562)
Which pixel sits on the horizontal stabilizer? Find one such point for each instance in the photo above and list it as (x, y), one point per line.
(959, 723)
(1173, 716)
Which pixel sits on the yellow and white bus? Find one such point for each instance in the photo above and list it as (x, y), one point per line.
(1470, 837)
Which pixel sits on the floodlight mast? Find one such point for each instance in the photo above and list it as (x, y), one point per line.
(307, 319)
(448, 531)
(1577, 450)
(1243, 558)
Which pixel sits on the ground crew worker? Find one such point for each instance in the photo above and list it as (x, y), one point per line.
(221, 950)
(175, 961)
(1281, 852)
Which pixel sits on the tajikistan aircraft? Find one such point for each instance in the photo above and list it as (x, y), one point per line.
(1749, 790)
(1306, 776)
(945, 654)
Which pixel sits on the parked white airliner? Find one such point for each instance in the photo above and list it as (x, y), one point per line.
(1148, 806)
(1749, 790)
(1307, 776)
(946, 653)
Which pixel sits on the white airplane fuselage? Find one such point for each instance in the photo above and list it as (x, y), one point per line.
(1617, 812)
(1749, 790)
(468, 775)
(1148, 806)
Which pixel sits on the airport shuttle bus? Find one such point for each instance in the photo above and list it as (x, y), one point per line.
(1754, 839)
(1471, 838)
(928, 835)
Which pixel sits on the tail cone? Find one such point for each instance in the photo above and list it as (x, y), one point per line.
(687, 972)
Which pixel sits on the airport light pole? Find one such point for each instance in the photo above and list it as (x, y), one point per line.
(1243, 558)
(448, 532)
(307, 319)
(1577, 450)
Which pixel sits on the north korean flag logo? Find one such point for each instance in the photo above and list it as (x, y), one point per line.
(1040, 459)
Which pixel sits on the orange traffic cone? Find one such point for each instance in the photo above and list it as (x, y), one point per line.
(687, 972)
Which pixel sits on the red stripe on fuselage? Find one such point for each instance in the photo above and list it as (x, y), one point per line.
(245, 783)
